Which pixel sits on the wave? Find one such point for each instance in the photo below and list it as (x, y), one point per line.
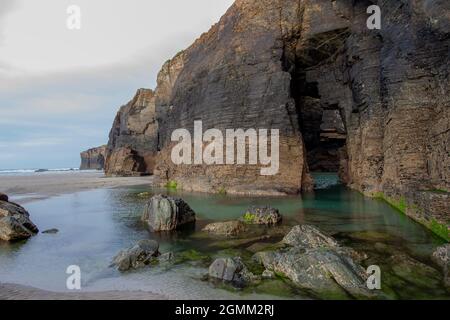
(28, 171)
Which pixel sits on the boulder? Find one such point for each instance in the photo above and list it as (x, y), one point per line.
(15, 223)
(320, 270)
(231, 270)
(306, 236)
(262, 215)
(315, 261)
(140, 255)
(164, 213)
(229, 228)
(3, 197)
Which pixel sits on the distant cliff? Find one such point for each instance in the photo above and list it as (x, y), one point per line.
(373, 105)
(93, 159)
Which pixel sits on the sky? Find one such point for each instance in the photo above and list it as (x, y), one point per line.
(60, 89)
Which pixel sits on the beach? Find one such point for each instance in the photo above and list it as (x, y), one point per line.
(24, 188)
(19, 292)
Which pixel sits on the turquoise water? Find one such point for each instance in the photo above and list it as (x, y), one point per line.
(95, 225)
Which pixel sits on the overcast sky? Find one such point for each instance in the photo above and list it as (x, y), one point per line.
(60, 89)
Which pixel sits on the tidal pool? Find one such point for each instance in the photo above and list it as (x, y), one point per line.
(95, 225)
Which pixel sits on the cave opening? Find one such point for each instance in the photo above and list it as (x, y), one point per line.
(321, 121)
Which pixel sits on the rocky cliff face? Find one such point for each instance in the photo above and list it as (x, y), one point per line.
(93, 159)
(132, 142)
(371, 104)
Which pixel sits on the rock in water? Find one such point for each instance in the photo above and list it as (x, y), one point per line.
(51, 231)
(93, 159)
(164, 213)
(262, 215)
(15, 223)
(3, 197)
(308, 237)
(140, 255)
(441, 256)
(231, 270)
(315, 261)
(229, 228)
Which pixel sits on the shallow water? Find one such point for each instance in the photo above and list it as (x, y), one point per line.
(95, 225)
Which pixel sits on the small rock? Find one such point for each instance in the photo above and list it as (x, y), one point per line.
(166, 257)
(51, 231)
(140, 255)
(3, 197)
(229, 228)
(231, 270)
(15, 223)
(262, 215)
(164, 213)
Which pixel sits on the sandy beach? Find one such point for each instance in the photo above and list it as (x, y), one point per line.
(29, 187)
(19, 292)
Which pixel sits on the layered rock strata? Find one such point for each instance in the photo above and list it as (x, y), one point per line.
(371, 104)
(132, 144)
(93, 159)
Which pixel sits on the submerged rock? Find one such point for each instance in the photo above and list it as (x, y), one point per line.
(315, 261)
(262, 215)
(164, 213)
(231, 270)
(140, 255)
(229, 228)
(308, 237)
(441, 256)
(15, 223)
(51, 231)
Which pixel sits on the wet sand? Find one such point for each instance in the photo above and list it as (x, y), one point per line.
(36, 186)
(18, 292)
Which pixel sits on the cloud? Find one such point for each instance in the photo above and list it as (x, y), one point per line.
(6, 6)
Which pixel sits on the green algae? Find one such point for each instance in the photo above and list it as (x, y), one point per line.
(172, 184)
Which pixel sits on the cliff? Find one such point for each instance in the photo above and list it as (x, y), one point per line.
(132, 141)
(93, 159)
(373, 105)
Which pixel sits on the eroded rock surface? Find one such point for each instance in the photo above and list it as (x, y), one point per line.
(15, 223)
(138, 256)
(262, 215)
(228, 228)
(370, 104)
(133, 138)
(316, 262)
(231, 270)
(164, 213)
(93, 159)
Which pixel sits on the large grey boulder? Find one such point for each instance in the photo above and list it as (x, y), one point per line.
(164, 213)
(138, 256)
(316, 262)
(231, 270)
(262, 215)
(15, 223)
(228, 228)
(306, 236)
